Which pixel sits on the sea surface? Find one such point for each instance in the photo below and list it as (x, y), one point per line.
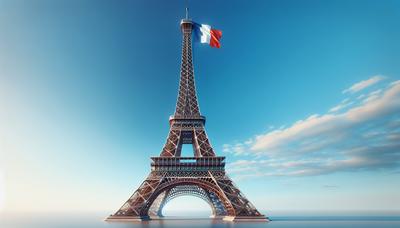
(83, 220)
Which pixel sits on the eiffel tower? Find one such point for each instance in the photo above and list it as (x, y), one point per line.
(202, 175)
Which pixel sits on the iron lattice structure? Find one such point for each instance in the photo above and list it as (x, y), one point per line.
(202, 175)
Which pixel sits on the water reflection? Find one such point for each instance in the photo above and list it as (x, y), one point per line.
(96, 221)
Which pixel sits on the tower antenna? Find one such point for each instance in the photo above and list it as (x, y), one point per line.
(187, 9)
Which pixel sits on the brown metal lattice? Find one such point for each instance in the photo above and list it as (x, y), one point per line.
(202, 175)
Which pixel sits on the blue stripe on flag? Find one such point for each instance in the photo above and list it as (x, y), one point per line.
(196, 32)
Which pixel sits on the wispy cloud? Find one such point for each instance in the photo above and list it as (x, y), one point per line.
(364, 84)
(344, 104)
(364, 137)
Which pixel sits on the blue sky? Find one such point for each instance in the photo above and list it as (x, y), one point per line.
(302, 99)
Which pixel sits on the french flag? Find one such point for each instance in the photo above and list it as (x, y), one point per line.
(206, 34)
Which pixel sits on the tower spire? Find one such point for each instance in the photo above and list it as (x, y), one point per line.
(187, 10)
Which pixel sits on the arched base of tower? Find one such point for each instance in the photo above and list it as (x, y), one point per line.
(202, 177)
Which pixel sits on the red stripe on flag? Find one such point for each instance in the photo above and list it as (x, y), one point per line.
(215, 37)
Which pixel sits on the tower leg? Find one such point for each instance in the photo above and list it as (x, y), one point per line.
(132, 210)
(155, 210)
(243, 208)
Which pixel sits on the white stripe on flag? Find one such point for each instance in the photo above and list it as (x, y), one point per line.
(205, 33)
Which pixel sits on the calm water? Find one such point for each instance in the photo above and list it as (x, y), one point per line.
(279, 221)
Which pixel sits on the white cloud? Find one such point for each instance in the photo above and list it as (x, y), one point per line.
(362, 138)
(237, 149)
(361, 97)
(395, 83)
(337, 108)
(364, 84)
(332, 123)
(344, 104)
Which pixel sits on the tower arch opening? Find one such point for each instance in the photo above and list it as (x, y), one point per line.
(187, 206)
(193, 191)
